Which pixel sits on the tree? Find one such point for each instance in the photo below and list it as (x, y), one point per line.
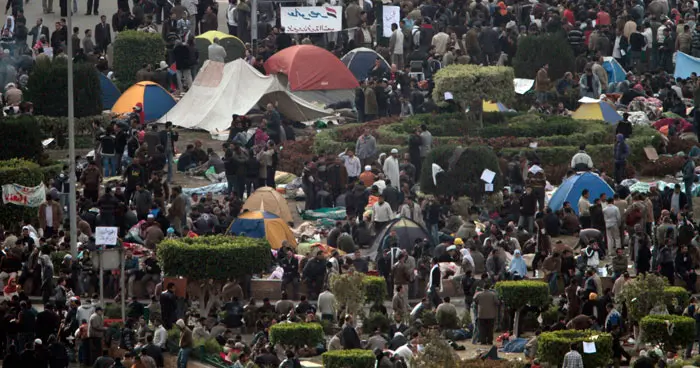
(208, 262)
(536, 51)
(133, 50)
(519, 294)
(472, 84)
(641, 296)
(350, 291)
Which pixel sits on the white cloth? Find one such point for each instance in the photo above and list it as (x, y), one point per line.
(582, 158)
(391, 170)
(381, 212)
(612, 216)
(352, 165)
(430, 277)
(160, 336)
(406, 353)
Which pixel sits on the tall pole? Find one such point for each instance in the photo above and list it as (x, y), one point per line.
(253, 25)
(72, 209)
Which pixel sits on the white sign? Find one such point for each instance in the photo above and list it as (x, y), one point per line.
(24, 196)
(312, 19)
(488, 175)
(523, 85)
(533, 145)
(106, 235)
(488, 187)
(589, 347)
(390, 14)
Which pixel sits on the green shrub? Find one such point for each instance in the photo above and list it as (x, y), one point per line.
(536, 51)
(488, 363)
(552, 346)
(428, 318)
(550, 316)
(24, 173)
(677, 298)
(296, 334)
(349, 359)
(436, 353)
(214, 257)
(57, 127)
(376, 321)
(19, 139)
(49, 172)
(670, 331)
(642, 294)
(447, 320)
(522, 293)
(466, 319)
(48, 89)
(469, 83)
(133, 49)
(375, 289)
(205, 347)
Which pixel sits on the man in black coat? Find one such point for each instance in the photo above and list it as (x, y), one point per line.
(168, 306)
(103, 35)
(348, 336)
(47, 323)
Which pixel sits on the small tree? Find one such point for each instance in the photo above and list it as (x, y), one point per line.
(470, 85)
(536, 51)
(208, 262)
(349, 291)
(133, 49)
(642, 294)
(519, 294)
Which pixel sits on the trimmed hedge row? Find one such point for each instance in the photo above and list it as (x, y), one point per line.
(375, 289)
(356, 358)
(671, 331)
(523, 292)
(24, 173)
(19, 139)
(552, 346)
(677, 298)
(133, 49)
(57, 127)
(296, 334)
(469, 83)
(214, 257)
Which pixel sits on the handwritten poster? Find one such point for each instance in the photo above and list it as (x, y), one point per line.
(24, 196)
(312, 19)
(391, 14)
(106, 235)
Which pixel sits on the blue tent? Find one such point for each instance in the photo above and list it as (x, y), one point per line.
(570, 190)
(361, 60)
(616, 73)
(110, 92)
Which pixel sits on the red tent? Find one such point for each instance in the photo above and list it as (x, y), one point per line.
(311, 68)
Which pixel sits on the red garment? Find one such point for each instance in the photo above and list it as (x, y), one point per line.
(11, 286)
(569, 16)
(602, 19)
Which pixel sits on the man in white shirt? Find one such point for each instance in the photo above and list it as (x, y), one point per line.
(381, 214)
(352, 165)
(581, 160)
(613, 220)
(584, 209)
(326, 305)
(396, 46)
(405, 352)
(391, 168)
(160, 335)
(440, 41)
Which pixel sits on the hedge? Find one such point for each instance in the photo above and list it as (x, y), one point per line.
(133, 49)
(296, 334)
(57, 127)
(355, 358)
(469, 83)
(535, 51)
(376, 321)
(375, 289)
(19, 139)
(49, 172)
(671, 331)
(522, 293)
(552, 346)
(48, 89)
(213, 257)
(24, 173)
(678, 298)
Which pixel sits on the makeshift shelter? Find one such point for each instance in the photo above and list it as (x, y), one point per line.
(235, 48)
(263, 224)
(268, 199)
(110, 93)
(662, 125)
(685, 65)
(313, 74)
(597, 111)
(616, 73)
(494, 107)
(361, 60)
(156, 101)
(570, 190)
(407, 231)
(221, 90)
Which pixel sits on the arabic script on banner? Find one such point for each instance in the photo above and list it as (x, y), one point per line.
(24, 196)
(312, 19)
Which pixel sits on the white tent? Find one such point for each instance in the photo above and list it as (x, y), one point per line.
(221, 90)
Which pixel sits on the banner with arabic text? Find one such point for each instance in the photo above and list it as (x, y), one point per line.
(312, 19)
(24, 196)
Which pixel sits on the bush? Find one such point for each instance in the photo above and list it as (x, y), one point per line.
(550, 316)
(133, 49)
(356, 358)
(552, 346)
(522, 293)
(24, 173)
(677, 298)
(428, 318)
(57, 259)
(536, 51)
(51, 171)
(204, 347)
(296, 334)
(57, 127)
(48, 89)
(464, 176)
(469, 83)
(488, 363)
(376, 321)
(663, 166)
(213, 257)
(447, 320)
(437, 353)
(642, 294)
(19, 139)
(349, 291)
(466, 319)
(375, 289)
(670, 331)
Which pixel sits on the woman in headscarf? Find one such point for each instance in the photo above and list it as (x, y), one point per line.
(9, 25)
(10, 289)
(518, 268)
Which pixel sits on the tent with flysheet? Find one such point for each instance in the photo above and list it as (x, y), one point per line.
(570, 190)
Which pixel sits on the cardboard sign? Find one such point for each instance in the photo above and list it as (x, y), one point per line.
(106, 235)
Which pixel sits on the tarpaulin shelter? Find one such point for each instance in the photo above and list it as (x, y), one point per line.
(407, 231)
(235, 48)
(494, 107)
(262, 224)
(110, 93)
(616, 73)
(570, 190)
(685, 65)
(597, 111)
(156, 101)
(221, 90)
(268, 199)
(361, 60)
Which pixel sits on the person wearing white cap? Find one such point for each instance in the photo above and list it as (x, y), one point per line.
(186, 343)
(391, 168)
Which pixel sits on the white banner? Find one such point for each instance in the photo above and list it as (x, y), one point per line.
(390, 14)
(312, 19)
(24, 196)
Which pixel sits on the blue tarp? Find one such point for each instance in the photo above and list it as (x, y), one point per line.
(686, 64)
(616, 73)
(110, 92)
(361, 60)
(570, 190)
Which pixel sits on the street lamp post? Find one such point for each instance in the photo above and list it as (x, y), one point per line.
(72, 208)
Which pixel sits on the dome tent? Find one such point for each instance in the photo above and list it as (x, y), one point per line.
(262, 224)
(570, 190)
(326, 72)
(361, 60)
(268, 199)
(407, 231)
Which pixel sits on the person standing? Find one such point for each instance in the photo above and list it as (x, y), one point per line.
(353, 166)
(216, 51)
(391, 168)
(103, 34)
(96, 332)
(396, 45)
(435, 283)
(688, 180)
(382, 214)
(366, 147)
(542, 84)
(573, 359)
(186, 344)
(50, 216)
(622, 150)
(426, 139)
(613, 220)
(168, 306)
(290, 265)
(487, 309)
(584, 209)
